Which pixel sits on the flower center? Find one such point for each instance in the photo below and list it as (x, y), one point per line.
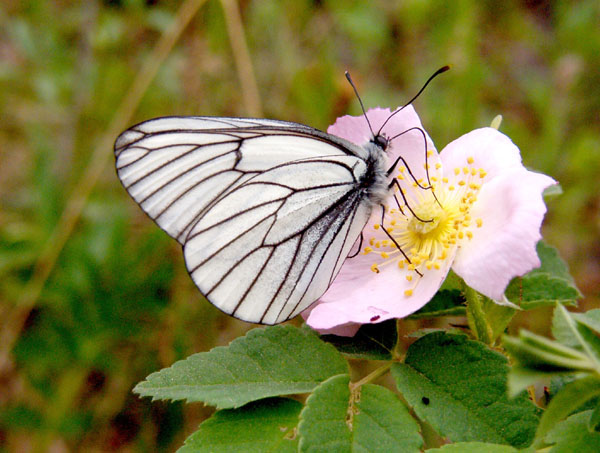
(429, 224)
(432, 213)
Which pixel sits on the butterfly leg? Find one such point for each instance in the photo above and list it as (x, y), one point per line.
(401, 159)
(397, 184)
(391, 238)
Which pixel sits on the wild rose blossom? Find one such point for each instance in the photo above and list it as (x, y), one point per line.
(481, 217)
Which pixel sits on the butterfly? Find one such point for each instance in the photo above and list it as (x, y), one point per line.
(266, 211)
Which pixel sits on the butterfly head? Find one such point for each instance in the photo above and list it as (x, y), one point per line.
(381, 141)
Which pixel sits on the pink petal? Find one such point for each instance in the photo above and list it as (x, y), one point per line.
(344, 330)
(410, 145)
(511, 207)
(358, 295)
(490, 150)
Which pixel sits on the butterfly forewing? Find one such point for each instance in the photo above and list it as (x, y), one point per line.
(266, 210)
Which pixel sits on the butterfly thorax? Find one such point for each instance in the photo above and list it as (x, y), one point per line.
(375, 179)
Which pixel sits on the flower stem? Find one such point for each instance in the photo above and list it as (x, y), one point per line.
(478, 322)
(378, 372)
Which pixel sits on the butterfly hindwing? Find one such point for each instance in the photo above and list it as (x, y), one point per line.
(272, 246)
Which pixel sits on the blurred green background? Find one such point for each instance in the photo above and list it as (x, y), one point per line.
(78, 332)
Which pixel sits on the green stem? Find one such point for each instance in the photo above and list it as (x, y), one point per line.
(396, 353)
(371, 376)
(478, 322)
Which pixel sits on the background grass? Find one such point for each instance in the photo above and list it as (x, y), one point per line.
(79, 331)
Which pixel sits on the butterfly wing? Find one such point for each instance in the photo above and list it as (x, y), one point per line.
(272, 246)
(176, 167)
(266, 210)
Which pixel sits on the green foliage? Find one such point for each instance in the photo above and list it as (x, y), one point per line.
(459, 387)
(473, 447)
(338, 418)
(573, 434)
(576, 352)
(372, 341)
(275, 361)
(572, 396)
(263, 426)
(447, 302)
(546, 285)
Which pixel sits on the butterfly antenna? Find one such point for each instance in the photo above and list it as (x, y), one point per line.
(347, 74)
(433, 76)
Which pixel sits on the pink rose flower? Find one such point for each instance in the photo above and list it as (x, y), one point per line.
(482, 219)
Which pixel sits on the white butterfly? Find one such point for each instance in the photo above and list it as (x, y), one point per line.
(266, 211)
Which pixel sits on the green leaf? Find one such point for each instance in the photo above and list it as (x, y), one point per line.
(576, 333)
(543, 356)
(449, 302)
(369, 418)
(571, 396)
(498, 316)
(562, 329)
(590, 319)
(272, 361)
(262, 426)
(372, 341)
(473, 447)
(557, 383)
(459, 387)
(519, 378)
(533, 291)
(537, 358)
(546, 285)
(594, 422)
(551, 262)
(572, 435)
